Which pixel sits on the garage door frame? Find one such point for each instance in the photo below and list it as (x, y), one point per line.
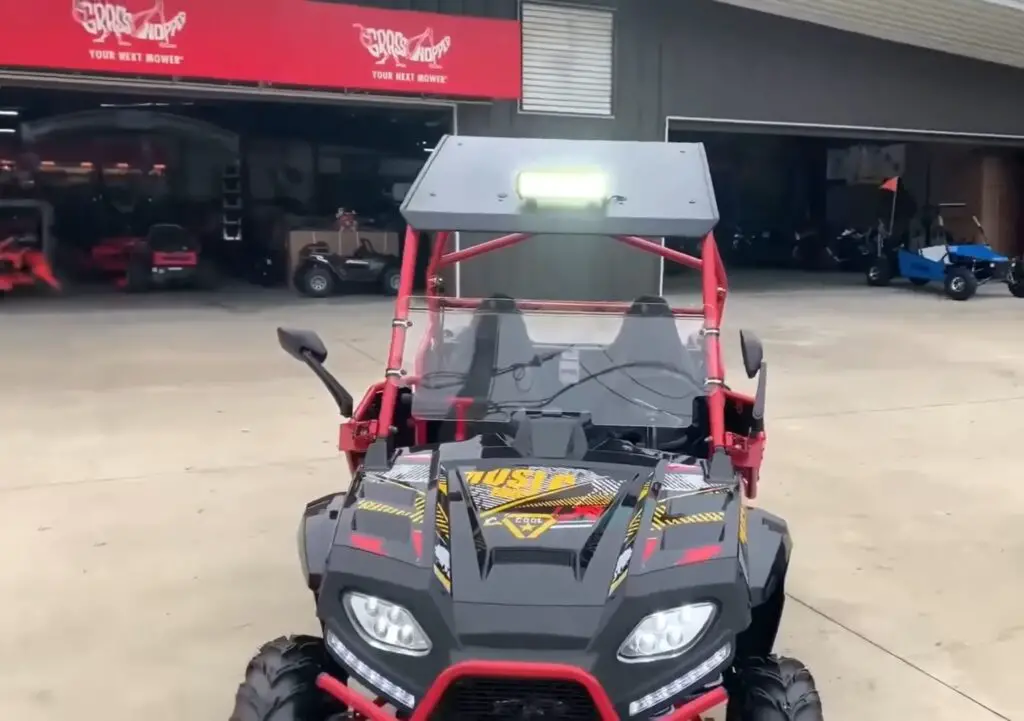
(223, 91)
(861, 132)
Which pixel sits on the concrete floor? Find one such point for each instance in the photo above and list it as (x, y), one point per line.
(156, 453)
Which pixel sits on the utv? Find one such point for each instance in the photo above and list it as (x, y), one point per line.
(548, 517)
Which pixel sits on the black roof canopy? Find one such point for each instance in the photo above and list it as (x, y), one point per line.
(656, 189)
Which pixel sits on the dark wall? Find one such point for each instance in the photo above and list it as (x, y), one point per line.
(728, 62)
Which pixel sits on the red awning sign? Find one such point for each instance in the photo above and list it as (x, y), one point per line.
(282, 42)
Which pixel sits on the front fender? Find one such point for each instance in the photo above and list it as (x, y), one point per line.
(316, 536)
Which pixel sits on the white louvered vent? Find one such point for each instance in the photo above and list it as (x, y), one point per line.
(567, 59)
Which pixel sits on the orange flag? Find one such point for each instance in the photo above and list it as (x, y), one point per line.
(891, 184)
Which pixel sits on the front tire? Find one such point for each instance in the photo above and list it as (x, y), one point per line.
(316, 282)
(280, 683)
(391, 281)
(1015, 279)
(773, 689)
(960, 284)
(878, 273)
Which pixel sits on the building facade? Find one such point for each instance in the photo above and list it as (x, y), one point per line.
(612, 69)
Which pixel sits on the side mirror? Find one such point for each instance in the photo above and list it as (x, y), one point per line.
(753, 352)
(302, 344)
(306, 346)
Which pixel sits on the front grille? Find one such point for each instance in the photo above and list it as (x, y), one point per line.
(492, 699)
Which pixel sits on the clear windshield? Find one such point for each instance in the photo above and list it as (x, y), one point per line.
(643, 368)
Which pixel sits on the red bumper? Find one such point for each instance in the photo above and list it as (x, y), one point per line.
(509, 670)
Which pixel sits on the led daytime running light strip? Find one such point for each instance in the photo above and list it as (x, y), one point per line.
(371, 677)
(663, 694)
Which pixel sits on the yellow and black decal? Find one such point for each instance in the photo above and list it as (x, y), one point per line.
(364, 504)
(663, 520)
(505, 485)
(626, 552)
(442, 538)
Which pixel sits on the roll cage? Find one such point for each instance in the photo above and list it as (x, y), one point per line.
(467, 185)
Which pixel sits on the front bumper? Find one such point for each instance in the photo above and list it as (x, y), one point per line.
(424, 710)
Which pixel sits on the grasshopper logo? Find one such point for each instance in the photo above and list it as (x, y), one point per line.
(396, 47)
(103, 19)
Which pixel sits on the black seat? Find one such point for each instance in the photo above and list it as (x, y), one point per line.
(482, 357)
(649, 336)
(659, 339)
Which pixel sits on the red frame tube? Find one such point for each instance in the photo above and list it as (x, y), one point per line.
(508, 670)
(713, 285)
(356, 435)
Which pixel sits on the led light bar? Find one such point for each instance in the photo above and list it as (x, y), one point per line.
(379, 682)
(663, 694)
(563, 187)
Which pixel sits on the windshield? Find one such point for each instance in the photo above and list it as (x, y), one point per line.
(643, 368)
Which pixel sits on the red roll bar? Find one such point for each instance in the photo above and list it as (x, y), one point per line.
(714, 289)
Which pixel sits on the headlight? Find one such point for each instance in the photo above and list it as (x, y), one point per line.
(666, 634)
(386, 626)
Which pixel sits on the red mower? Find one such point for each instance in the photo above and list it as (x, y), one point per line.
(168, 256)
(25, 251)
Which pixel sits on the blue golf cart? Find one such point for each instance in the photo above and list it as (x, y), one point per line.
(937, 257)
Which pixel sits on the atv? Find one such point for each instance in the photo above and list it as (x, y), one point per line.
(322, 273)
(544, 523)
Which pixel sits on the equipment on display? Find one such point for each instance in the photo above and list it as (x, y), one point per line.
(549, 514)
(168, 256)
(26, 245)
(934, 255)
(323, 272)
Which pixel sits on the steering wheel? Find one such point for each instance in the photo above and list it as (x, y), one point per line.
(365, 248)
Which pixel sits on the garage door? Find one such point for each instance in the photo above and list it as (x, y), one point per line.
(983, 29)
(567, 59)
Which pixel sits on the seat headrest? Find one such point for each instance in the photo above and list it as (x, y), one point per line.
(498, 303)
(650, 306)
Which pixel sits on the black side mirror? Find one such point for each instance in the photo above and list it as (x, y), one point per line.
(302, 344)
(306, 346)
(753, 352)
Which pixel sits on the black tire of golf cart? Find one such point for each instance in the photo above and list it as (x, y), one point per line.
(316, 282)
(878, 273)
(390, 280)
(960, 284)
(280, 683)
(773, 689)
(139, 275)
(919, 281)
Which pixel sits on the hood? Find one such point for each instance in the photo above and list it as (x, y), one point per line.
(528, 533)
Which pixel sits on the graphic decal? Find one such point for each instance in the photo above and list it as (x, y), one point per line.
(442, 538)
(377, 507)
(662, 520)
(505, 488)
(154, 28)
(524, 526)
(684, 477)
(420, 505)
(626, 552)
